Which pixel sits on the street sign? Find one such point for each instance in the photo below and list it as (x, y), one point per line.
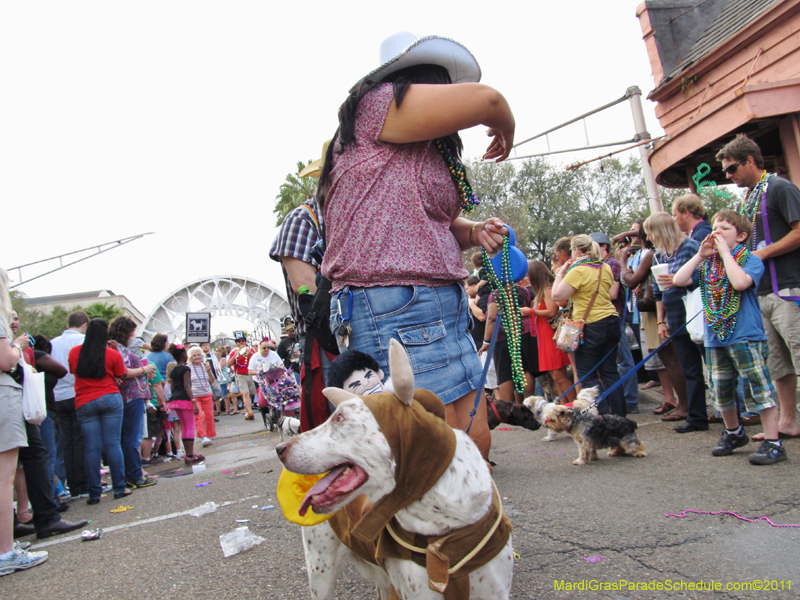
(198, 328)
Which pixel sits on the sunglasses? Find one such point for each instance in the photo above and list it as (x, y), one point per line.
(731, 169)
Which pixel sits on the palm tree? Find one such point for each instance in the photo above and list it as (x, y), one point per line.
(101, 310)
(294, 191)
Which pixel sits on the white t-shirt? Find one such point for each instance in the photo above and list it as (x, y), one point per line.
(264, 363)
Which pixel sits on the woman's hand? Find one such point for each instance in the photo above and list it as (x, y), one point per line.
(501, 144)
(663, 331)
(483, 348)
(113, 345)
(149, 369)
(23, 342)
(565, 267)
(196, 409)
(489, 234)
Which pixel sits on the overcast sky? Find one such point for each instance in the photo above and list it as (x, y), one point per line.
(183, 118)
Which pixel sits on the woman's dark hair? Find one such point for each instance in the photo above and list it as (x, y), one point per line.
(121, 330)
(643, 235)
(158, 343)
(42, 344)
(346, 133)
(92, 358)
(179, 354)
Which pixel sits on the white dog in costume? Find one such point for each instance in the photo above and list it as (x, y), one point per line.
(412, 500)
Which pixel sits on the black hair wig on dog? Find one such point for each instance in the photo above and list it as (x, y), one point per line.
(347, 363)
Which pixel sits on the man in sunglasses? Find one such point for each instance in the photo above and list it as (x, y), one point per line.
(778, 245)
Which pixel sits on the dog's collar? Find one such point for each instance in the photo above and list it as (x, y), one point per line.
(494, 408)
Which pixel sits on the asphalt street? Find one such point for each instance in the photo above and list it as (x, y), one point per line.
(592, 526)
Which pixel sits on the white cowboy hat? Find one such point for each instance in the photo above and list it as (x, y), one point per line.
(314, 169)
(405, 49)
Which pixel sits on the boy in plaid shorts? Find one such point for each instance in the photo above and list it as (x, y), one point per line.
(735, 341)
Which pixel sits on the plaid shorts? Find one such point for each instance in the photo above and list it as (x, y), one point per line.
(746, 359)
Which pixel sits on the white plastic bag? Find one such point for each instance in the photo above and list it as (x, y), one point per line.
(694, 304)
(203, 509)
(238, 540)
(34, 408)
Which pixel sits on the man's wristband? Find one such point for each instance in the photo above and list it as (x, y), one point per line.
(661, 323)
(485, 343)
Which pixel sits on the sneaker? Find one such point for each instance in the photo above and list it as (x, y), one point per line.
(249, 417)
(207, 441)
(106, 489)
(64, 496)
(728, 442)
(767, 454)
(19, 559)
(180, 454)
(140, 483)
(84, 495)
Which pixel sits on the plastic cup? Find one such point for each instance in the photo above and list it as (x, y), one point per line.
(662, 269)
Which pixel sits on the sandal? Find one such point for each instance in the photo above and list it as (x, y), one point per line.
(673, 417)
(665, 408)
(650, 384)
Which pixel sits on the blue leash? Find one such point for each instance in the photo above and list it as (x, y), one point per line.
(592, 370)
(636, 367)
(490, 353)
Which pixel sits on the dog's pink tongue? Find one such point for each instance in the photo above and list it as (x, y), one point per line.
(320, 487)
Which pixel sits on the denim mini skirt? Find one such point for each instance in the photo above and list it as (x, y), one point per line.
(432, 324)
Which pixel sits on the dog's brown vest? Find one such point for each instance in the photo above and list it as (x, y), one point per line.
(362, 527)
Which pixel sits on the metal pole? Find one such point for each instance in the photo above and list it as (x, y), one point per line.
(653, 194)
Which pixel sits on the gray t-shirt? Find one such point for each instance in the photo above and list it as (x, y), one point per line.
(5, 338)
(783, 209)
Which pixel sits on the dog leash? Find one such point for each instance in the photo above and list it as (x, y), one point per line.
(600, 362)
(489, 354)
(636, 367)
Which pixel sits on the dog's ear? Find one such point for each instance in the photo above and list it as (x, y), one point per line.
(402, 375)
(337, 395)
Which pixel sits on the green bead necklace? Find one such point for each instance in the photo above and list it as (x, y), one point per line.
(468, 198)
(720, 299)
(509, 312)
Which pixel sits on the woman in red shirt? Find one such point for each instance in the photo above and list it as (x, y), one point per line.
(99, 406)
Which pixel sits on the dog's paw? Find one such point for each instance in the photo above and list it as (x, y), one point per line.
(640, 454)
(550, 437)
(578, 461)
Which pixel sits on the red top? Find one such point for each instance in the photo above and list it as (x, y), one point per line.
(88, 389)
(240, 366)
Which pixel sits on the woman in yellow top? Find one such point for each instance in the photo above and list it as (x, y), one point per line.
(577, 280)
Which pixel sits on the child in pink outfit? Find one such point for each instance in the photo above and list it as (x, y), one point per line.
(202, 378)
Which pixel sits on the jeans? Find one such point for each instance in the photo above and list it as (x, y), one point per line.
(40, 488)
(630, 389)
(101, 422)
(48, 432)
(132, 426)
(71, 434)
(691, 362)
(599, 339)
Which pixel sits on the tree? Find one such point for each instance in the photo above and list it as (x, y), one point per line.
(294, 191)
(101, 310)
(612, 193)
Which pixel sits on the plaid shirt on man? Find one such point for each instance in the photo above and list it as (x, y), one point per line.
(296, 239)
(616, 270)
(673, 297)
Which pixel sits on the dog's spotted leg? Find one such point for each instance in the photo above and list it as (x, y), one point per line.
(583, 453)
(325, 558)
(616, 451)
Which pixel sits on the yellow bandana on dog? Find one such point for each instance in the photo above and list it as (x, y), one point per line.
(292, 488)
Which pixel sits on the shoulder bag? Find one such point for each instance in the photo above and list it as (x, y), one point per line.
(34, 407)
(570, 332)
